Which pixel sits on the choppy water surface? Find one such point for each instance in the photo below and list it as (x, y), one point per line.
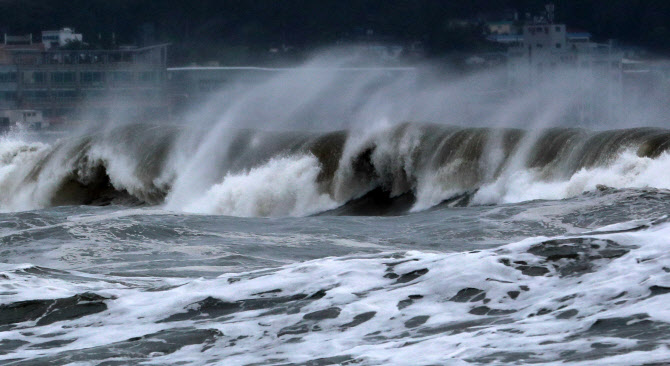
(536, 265)
(141, 285)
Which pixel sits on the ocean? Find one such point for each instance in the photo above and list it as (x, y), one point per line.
(228, 242)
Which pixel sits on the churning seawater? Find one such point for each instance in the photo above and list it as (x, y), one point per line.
(262, 238)
(411, 247)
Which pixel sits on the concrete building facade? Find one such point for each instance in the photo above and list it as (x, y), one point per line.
(59, 82)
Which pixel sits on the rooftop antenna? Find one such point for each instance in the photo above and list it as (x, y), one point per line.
(550, 12)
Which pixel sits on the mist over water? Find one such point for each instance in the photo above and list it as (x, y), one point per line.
(307, 139)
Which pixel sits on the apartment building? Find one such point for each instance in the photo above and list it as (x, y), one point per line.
(61, 82)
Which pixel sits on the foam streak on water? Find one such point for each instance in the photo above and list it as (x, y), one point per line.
(587, 299)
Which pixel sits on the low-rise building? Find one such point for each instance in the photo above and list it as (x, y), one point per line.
(544, 47)
(548, 49)
(59, 82)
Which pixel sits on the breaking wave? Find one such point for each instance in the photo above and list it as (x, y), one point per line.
(395, 169)
(283, 186)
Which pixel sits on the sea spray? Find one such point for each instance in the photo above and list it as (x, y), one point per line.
(307, 172)
(16, 159)
(627, 170)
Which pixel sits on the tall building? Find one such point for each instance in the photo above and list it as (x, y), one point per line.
(9, 80)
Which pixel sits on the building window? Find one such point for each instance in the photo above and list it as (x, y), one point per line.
(35, 94)
(558, 45)
(539, 45)
(34, 77)
(558, 28)
(8, 95)
(63, 77)
(91, 77)
(8, 77)
(65, 94)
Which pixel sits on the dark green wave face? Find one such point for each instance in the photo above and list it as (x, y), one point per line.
(383, 172)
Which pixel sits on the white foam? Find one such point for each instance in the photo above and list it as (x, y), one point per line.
(285, 186)
(17, 158)
(359, 284)
(435, 187)
(626, 171)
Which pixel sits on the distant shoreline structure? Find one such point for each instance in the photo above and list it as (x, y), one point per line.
(257, 68)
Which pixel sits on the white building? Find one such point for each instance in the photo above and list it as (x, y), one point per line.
(543, 47)
(547, 51)
(59, 38)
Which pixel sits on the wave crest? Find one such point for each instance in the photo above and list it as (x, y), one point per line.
(410, 166)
